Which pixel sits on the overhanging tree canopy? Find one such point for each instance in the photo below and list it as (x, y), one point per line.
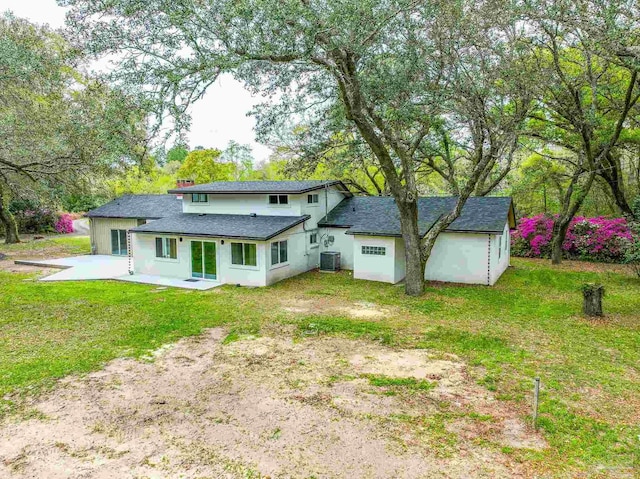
(391, 69)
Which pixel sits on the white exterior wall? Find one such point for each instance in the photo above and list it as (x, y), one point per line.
(145, 261)
(298, 205)
(459, 258)
(400, 260)
(330, 197)
(374, 267)
(342, 243)
(301, 256)
(243, 205)
(500, 254)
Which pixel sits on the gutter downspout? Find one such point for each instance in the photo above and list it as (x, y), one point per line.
(326, 200)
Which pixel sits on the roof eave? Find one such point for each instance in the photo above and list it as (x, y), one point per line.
(254, 238)
(369, 233)
(480, 232)
(138, 217)
(201, 235)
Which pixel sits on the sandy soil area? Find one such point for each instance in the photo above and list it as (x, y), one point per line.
(267, 407)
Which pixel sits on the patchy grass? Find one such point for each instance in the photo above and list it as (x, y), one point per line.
(51, 246)
(403, 383)
(528, 325)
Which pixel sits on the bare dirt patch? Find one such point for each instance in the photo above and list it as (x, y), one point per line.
(357, 309)
(267, 407)
(9, 266)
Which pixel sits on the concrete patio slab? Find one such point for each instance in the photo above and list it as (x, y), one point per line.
(199, 285)
(77, 268)
(88, 267)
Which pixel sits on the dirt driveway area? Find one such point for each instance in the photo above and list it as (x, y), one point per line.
(269, 407)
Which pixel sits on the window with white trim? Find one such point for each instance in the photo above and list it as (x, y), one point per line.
(313, 238)
(244, 254)
(499, 247)
(278, 199)
(312, 199)
(199, 198)
(279, 252)
(374, 250)
(166, 248)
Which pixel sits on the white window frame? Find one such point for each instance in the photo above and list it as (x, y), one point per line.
(244, 266)
(202, 198)
(371, 250)
(279, 264)
(313, 244)
(166, 246)
(313, 199)
(279, 199)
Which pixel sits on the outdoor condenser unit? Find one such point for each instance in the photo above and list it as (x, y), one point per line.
(330, 261)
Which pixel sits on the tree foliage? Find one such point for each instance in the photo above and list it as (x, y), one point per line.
(57, 125)
(588, 95)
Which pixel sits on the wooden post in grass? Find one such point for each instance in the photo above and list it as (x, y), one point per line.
(536, 395)
(593, 294)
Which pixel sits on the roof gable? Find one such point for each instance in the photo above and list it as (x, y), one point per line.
(379, 216)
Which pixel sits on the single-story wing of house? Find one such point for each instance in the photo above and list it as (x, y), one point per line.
(256, 233)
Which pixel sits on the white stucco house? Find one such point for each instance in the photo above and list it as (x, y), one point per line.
(256, 233)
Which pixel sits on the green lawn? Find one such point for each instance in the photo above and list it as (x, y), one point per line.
(528, 325)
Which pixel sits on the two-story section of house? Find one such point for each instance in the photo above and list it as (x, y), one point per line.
(251, 233)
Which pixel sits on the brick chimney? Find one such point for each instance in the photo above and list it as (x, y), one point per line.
(183, 184)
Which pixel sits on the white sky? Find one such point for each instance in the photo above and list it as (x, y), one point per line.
(219, 117)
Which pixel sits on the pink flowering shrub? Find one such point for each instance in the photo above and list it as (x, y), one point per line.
(594, 239)
(64, 224)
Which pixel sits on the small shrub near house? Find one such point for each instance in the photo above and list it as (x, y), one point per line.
(594, 239)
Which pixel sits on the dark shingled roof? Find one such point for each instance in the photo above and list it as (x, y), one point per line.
(378, 216)
(139, 206)
(259, 228)
(248, 187)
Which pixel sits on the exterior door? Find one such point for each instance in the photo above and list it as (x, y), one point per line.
(203, 260)
(119, 242)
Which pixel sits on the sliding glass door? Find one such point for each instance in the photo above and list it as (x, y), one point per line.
(119, 242)
(203, 259)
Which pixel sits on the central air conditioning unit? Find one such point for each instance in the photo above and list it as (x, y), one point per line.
(330, 262)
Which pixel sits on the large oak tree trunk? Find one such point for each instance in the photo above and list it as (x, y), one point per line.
(560, 228)
(8, 222)
(569, 210)
(414, 278)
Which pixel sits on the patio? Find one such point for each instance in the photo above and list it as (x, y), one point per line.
(95, 267)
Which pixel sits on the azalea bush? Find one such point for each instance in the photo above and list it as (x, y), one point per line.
(64, 224)
(594, 239)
